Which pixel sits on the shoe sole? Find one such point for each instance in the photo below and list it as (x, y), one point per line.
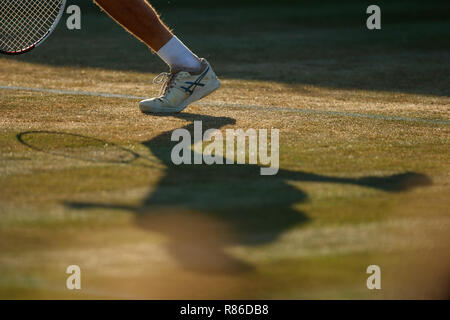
(197, 95)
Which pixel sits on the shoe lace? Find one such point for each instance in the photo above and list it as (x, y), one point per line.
(166, 80)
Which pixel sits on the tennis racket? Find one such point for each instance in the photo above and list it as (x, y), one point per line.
(25, 24)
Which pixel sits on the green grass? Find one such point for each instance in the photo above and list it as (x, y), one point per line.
(88, 180)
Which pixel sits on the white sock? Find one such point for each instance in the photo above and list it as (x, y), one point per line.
(177, 55)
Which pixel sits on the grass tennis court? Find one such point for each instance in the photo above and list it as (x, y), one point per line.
(364, 121)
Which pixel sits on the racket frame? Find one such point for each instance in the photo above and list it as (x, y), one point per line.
(43, 38)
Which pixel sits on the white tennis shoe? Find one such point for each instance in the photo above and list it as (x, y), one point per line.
(180, 89)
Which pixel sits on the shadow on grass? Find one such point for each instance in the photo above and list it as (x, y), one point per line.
(203, 209)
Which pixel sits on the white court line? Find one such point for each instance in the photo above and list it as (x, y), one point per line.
(237, 106)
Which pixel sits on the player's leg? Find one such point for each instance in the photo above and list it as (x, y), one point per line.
(190, 78)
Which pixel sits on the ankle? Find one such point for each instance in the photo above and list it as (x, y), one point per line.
(178, 56)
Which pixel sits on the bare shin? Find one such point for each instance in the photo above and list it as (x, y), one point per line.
(140, 19)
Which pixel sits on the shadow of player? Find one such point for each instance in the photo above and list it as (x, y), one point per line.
(203, 209)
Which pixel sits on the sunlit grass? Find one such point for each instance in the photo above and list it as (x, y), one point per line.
(87, 180)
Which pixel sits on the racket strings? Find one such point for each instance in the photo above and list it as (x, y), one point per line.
(24, 23)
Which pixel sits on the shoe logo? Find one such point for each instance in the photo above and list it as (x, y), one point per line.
(193, 85)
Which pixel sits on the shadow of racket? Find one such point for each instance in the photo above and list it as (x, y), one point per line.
(84, 148)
